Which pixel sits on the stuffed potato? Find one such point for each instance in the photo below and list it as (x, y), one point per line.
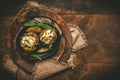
(29, 41)
(48, 36)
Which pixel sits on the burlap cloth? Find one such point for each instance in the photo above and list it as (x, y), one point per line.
(48, 67)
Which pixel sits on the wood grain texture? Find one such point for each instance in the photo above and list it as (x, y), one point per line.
(100, 23)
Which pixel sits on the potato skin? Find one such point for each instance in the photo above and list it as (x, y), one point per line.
(48, 36)
(29, 41)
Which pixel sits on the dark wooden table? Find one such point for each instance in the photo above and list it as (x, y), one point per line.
(100, 21)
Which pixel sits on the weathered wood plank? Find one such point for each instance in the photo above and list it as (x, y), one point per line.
(102, 32)
(90, 71)
(81, 6)
(66, 6)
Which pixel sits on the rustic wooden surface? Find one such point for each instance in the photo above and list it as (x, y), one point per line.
(100, 21)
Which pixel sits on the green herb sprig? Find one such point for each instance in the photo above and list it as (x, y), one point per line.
(32, 56)
(35, 56)
(41, 24)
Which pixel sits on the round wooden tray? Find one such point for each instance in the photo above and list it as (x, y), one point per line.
(66, 39)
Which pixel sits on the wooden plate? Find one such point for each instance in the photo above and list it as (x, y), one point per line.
(61, 26)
